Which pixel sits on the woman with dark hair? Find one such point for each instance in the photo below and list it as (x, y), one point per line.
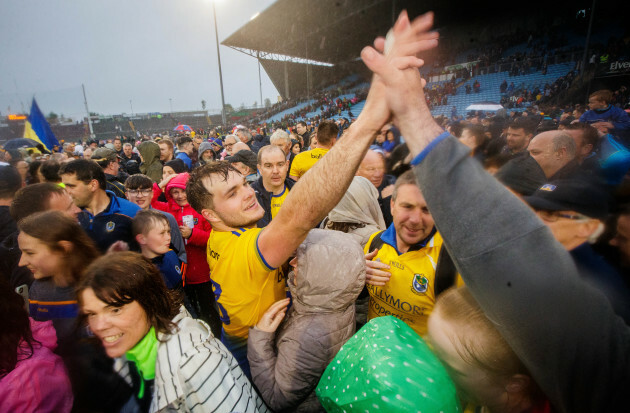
(32, 377)
(296, 146)
(172, 361)
(56, 249)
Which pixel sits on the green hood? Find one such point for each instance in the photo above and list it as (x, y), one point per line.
(150, 152)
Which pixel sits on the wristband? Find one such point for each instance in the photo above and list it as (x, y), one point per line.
(420, 157)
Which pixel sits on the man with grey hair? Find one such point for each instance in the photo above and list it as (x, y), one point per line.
(245, 136)
(230, 140)
(282, 140)
(555, 152)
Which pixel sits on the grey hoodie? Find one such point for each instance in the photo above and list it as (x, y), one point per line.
(286, 366)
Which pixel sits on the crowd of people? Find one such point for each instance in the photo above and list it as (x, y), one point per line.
(224, 272)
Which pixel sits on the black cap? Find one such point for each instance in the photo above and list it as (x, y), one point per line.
(582, 196)
(522, 174)
(246, 157)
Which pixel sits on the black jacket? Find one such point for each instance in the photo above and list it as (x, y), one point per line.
(264, 199)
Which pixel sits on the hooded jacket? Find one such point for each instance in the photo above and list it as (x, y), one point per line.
(38, 383)
(205, 146)
(151, 165)
(197, 270)
(287, 365)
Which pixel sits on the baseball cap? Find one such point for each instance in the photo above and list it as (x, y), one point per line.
(244, 156)
(582, 196)
(102, 154)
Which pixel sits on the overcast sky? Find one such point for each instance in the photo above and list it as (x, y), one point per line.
(146, 51)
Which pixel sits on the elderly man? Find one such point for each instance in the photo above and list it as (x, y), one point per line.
(282, 140)
(273, 186)
(555, 152)
(245, 136)
(373, 168)
(230, 141)
(574, 211)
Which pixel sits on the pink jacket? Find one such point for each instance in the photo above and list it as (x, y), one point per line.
(40, 383)
(197, 270)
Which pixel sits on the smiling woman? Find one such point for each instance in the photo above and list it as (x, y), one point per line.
(172, 361)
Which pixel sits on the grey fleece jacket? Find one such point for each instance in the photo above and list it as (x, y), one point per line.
(286, 366)
(563, 330)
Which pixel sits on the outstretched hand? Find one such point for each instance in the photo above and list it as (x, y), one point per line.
(272, 318)
(394, 62)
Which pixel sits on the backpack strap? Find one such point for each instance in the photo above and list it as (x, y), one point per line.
(445, 272)
(377, 242)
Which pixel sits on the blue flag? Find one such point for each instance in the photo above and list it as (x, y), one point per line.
(38, 129)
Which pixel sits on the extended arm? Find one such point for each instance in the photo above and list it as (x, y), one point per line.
(562, 330)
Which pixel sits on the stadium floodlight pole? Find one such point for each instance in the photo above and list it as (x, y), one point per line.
(259, 78)
(216, 35)
(88, 112)
(170, 102)
(588, 38)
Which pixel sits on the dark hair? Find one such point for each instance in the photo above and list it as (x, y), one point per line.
(121, 278)
(589, 133)
(146, 220)
(456, 129)
(295, 142)
(138, 181)
(86, 171)
(523, 123)
(50, 171)
(326, 132)
(183, 140)
(51, 227)
(479, 132)
(10, 181)
(496, 161)
(178, 165)
(16, 341)
(198, 196)
(33, 167)
(33, 198)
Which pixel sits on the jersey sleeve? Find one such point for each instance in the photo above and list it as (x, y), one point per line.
(296, 166)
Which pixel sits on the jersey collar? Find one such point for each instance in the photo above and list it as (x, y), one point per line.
(389, 237)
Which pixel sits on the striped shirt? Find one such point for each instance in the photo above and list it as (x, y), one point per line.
(195, 373)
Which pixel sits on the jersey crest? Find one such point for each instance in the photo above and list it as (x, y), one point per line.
(420, 284)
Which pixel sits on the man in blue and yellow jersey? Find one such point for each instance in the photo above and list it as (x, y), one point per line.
(273, 186)
(401, 279)
(244, 259)
(326, 137)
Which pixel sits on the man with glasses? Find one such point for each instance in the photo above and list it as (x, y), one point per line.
(230, 140)
(574, 211)
(139, 190)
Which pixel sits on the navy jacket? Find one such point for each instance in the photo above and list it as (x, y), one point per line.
(264, 199)
(111, 225)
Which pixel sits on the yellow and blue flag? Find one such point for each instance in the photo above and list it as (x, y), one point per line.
(38, 129)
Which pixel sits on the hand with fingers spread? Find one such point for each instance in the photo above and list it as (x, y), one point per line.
(273, 316)
(394, 62)
(375, 271)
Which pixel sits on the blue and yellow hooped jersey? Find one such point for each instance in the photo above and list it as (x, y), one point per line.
(244, 284)
(409, 294)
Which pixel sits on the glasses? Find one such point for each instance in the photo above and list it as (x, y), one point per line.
(229, 145)
(139, 192)
(553, 216)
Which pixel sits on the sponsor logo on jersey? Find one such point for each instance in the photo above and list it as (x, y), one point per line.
(110, 226)
(548, 187)
(420, 283)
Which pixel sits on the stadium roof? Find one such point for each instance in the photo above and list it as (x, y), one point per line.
(335, 31)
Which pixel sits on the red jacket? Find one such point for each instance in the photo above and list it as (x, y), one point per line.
(197, 270)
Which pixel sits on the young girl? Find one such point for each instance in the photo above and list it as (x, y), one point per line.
(56, 250)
